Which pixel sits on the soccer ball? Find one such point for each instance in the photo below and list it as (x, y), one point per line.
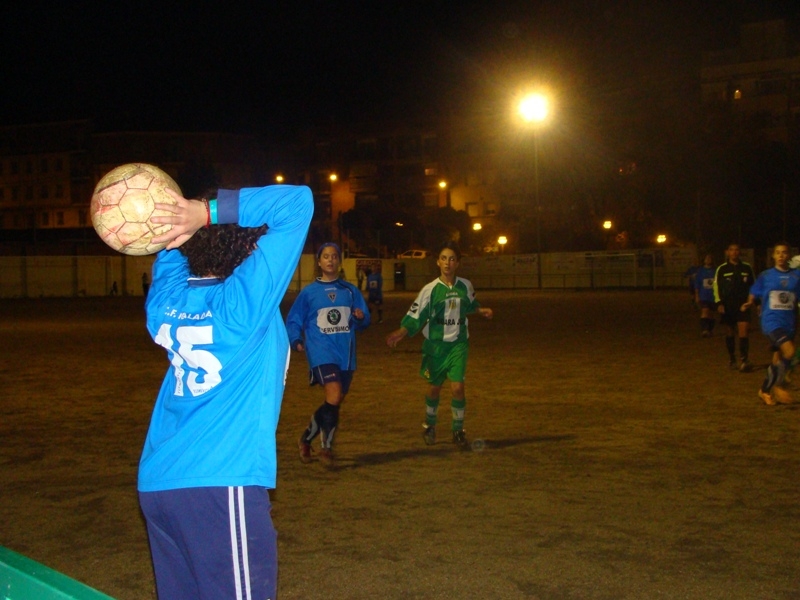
(123, 202)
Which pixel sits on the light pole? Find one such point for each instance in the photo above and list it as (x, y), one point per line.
(534, 109)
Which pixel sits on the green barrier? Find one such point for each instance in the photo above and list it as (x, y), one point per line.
(24, 579)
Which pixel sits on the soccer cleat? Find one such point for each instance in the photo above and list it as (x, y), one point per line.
(326, 456)
(429, 435)
(746, 366)
(766, 398)
(460, 439)
(305, 451)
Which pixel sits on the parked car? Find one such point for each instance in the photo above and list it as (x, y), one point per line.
(414, 254)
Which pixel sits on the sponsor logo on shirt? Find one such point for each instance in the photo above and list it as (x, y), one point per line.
(450, 321)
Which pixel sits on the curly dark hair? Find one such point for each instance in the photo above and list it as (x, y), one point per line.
(219, 249)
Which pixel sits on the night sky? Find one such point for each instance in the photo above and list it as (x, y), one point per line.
(273, 68)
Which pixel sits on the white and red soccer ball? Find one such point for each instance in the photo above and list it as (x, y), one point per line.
(123, 204)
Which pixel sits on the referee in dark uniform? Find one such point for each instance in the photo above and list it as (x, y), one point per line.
(732, 283)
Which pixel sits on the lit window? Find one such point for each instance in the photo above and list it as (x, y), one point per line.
(737, 94)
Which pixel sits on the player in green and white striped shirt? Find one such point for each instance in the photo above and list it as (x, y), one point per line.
(440, 312)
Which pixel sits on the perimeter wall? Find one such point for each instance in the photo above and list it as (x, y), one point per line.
(54, 276)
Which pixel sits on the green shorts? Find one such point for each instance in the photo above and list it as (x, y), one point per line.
(449, 362)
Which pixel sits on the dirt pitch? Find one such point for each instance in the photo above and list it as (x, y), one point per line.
(620, 458)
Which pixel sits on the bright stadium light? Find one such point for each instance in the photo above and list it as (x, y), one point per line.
(534, 108)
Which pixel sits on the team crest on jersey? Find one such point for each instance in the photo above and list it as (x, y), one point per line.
(334, 316)
(332, 296)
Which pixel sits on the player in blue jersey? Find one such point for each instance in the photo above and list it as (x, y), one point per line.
(704, 295)
(440, 312)
(322, 323)
(210, 453)
(375, 291)
(777, 290)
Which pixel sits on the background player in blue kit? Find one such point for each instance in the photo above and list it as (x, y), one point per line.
(210, 453)
(704, 295)
(323, 322)
(777, 289)
(375, 291)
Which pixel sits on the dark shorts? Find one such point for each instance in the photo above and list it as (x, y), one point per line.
(710, 305)
(732, 317)
(212, 542)
(778, 337)
(330, 373)
(375, 300)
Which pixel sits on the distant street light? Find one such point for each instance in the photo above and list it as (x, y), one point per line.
(333, 177)
(502, 240)
(279, 178)
(661, 238)
(606, 225)
(534, 109)
(477, 227)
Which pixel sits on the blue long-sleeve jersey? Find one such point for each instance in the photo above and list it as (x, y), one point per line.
(216, 414)
(322, 319)
(778, 292)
